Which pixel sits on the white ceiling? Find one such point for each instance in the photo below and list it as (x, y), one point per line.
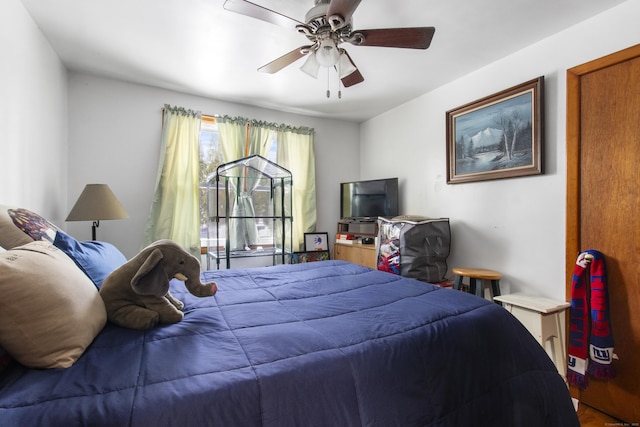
(197, 47)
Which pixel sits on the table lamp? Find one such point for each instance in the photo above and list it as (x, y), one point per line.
(97, 202)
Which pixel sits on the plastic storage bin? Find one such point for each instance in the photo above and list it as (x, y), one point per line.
(414, 247)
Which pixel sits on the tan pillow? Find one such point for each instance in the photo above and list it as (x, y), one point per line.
(50, 311)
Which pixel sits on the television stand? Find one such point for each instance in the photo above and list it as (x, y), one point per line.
(356, 252)
(359, 228)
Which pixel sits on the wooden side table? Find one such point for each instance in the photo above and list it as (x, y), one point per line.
(545, 319)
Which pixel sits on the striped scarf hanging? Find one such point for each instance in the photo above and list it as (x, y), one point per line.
(590, 337)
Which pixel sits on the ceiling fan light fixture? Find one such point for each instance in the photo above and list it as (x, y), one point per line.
(311, 66)
(345, 66)
(327, 54)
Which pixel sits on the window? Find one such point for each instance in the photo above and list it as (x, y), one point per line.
(210, 159)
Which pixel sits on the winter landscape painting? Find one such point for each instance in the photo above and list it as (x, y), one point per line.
(499, 136)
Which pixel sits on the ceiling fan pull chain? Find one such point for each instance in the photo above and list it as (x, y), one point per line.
(328, 83)
(339, 83)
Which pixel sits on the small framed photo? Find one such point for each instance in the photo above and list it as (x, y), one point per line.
(316, 242)
(310, 256)
(500, 136)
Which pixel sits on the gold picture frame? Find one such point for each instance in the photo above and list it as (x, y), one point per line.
(499, 136)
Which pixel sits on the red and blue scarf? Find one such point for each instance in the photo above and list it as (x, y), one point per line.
(590, 337)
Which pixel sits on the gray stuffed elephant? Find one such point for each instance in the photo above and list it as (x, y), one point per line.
(136, 295)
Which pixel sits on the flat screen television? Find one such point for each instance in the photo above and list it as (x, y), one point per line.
(367, 200)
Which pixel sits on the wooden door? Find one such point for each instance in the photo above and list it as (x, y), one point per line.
(603, 209)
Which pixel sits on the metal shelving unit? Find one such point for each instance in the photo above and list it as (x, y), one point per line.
(250, 211)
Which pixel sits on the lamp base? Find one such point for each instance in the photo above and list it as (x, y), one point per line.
(95, 225)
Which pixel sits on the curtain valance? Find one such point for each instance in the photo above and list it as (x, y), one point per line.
(278, 127)
(181, 111)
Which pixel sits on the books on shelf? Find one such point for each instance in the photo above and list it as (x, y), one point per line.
(345, 236)
(347, 241)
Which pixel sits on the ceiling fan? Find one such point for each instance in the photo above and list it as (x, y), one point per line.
(327, 25)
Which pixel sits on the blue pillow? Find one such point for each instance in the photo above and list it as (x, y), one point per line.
(96, 259)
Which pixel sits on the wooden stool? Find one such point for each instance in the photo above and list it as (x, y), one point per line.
(488, 278)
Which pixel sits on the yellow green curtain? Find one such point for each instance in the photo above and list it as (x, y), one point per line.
(260, 138)
(175, 206)
(260, 141)
(295, 153)
(233, 137)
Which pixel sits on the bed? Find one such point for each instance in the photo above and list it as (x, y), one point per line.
(326, 343)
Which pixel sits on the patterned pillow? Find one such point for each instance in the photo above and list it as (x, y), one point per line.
(33, 224)
(20, 226)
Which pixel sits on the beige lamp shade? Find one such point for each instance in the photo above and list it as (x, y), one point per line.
(97, 202)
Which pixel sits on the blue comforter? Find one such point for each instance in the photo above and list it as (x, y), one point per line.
(319, 344)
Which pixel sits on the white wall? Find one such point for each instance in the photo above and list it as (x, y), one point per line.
(113, 129)
(516, 226)
(33, 117)
(114, 137)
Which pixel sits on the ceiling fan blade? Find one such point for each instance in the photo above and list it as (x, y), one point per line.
(340, 11)
(285, 60)
(411, 38)
(353, 78)
(256, 11)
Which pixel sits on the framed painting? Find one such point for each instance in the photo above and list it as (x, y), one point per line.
(309, 256)
(316, 241)
(499, 136)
